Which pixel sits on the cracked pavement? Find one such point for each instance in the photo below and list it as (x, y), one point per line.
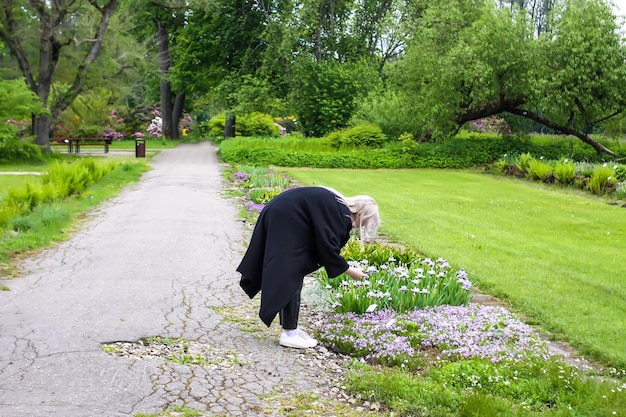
(157, 260)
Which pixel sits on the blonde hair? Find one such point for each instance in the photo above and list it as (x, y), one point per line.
(364, 213)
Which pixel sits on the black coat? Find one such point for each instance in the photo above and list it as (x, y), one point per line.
(297, 232)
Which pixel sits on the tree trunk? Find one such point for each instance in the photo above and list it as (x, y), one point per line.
(229, 129)
(165, 86)
(177, 114)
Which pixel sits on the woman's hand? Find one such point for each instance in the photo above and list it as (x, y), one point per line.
(356, 273)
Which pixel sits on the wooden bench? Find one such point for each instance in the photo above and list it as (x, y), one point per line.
(74, 144)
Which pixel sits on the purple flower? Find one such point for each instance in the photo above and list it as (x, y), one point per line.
(241, 175)
(256, 207)
(456, 331)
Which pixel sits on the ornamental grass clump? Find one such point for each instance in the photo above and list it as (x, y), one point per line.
(398, 286)
(602, 178)
(445, 333)
(565, 172)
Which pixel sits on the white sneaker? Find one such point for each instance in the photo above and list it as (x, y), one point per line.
(298, 339)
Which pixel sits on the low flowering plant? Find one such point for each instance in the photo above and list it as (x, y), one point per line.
(138, 134)
(397, 286)
(242, 176)
(443, 333)
(256, 207)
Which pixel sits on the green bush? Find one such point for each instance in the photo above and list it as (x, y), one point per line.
(565, 172)
(216, 125)
(256, 124)
(523, 162)
(539, 170)
(362, 135)
(253, 124)
(13, 149)
(601, 179)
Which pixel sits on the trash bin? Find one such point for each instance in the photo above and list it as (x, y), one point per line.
(140, 148)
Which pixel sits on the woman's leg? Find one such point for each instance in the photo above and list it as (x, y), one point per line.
(289, 314)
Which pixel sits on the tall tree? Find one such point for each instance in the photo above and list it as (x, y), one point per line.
(471, 62)
(40, 34)
(220, 47)
(159, 22)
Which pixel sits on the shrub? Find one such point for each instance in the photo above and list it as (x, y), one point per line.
(539, 170)
(565, 171)
(253, 124)
(256, 124)
(362, 135)
(602, 178)
(216, 125)
(14, 149)
(523, 162)
(620, 172)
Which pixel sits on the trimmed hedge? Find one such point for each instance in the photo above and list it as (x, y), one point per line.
(462, 152)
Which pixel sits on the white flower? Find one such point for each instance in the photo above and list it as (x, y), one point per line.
(371, 308)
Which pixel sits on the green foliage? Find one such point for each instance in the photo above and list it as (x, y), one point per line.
(523, 162)
(476, 387)
(12, 149)
(61, 181)
(252, 124)
(17, 102)
(326, 94)
(392, 111)
(601, 179)
(263, 195)
(465, 151)
(256, 124)
(400, 285)
(17, 105)
(565, 171)
(539, 170)
(471, 60)
(378, 253)
(215, 125)
(268, 179)
(366, 135)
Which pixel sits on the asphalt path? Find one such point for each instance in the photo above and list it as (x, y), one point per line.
(155, 261)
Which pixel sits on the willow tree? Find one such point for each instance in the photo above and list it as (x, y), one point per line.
(45, 36)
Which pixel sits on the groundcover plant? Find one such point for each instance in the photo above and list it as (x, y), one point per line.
(440, 333)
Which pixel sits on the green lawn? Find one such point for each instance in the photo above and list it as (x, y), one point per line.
(10, 181)
(556, 255)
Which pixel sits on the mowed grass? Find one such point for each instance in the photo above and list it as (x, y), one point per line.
(557, 256)
(14, 181)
